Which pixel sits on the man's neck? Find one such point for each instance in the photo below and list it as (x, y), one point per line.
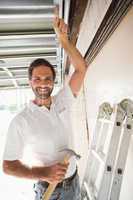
(43, 102)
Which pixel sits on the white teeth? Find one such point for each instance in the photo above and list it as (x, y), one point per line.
(43, 89)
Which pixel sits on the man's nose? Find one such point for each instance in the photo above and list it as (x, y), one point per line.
(44, 82)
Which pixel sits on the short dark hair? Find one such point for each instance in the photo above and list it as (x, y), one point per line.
(40, 61)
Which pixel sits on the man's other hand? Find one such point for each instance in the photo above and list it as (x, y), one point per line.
(55, 173)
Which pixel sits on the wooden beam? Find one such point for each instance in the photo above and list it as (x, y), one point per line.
(77, 9)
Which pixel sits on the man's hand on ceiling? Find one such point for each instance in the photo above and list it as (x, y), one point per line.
(61, 30)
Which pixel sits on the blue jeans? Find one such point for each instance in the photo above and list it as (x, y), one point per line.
(71, 192)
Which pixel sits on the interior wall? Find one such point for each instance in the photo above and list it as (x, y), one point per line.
(93, 16)
(110, 78)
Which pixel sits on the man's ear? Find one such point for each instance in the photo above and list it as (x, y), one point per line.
(30, 83)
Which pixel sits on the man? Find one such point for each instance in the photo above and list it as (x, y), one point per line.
(44, 125)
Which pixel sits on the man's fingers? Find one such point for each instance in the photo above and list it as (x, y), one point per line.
(62, 26)
(61, 169)
(56, 24)
(61, 172)
(66, 28)
(57, 178)
(63, 166)
(59, 25)
(56, 173)
(60, 177)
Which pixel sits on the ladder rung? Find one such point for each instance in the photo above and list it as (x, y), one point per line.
(90, 195)
(105, 120)
(99, 155)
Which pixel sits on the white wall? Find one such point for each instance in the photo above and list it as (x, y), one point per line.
(110, 78)
(94, 14)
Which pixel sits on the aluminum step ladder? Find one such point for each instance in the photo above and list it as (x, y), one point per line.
(107, 157)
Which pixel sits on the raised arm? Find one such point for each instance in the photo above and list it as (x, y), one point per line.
(74, 55)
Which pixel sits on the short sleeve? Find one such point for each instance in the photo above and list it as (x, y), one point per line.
(65, 96)
(14, 144)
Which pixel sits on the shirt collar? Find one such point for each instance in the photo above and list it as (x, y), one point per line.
(34, 107)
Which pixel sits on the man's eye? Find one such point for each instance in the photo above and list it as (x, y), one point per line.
(36, 79)
(49, 79)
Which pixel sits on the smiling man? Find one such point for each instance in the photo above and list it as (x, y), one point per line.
(44, 125)
(42, 81)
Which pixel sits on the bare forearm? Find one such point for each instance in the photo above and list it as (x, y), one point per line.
(50, 174)
(75, 56)
(18, 169)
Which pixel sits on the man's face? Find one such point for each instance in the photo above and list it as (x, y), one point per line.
(42, 82)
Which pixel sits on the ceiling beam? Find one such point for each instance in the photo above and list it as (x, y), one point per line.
(16, 70)
(9, 17)
(25, 3)
(27, 7)
(29, 56)
(13, 78)
(27, 32)
(9, 87)
(28, 36)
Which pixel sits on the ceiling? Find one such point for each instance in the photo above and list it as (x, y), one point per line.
(26, 33)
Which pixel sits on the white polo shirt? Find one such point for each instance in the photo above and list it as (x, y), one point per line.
(45, 132)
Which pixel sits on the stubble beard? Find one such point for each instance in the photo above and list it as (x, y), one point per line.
(42, 93)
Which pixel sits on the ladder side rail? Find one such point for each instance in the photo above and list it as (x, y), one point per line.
(97, 155)
(111, 155)
(120, 166)
(127, 104)
(98, 131)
